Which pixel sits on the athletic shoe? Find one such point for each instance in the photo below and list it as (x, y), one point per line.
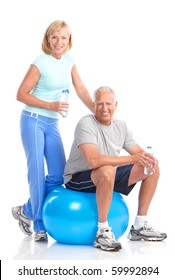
(105, 240)
(146, 233)
(23, 221)
(40, 236)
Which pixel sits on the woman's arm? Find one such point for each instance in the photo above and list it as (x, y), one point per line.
(81, 90)
(24, 93)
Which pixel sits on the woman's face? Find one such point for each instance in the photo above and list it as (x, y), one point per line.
(59, 41)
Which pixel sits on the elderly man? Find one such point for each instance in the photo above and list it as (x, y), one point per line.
(95, 165)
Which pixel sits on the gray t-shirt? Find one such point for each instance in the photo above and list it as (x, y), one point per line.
(109, 139)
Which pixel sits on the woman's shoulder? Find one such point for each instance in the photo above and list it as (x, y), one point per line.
(42, 57)
(69, 58)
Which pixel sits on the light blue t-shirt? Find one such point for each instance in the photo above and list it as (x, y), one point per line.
(55, 76)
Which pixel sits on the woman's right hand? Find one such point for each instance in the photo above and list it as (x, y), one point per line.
(59, 107)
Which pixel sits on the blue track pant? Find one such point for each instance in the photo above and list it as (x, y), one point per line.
(44, 150)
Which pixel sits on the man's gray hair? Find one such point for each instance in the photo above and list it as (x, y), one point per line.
(103, 88)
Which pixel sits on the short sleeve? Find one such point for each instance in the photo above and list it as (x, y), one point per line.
(85, 132)
(39, 63)
(129, 140)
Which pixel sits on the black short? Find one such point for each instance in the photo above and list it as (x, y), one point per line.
(81, 181)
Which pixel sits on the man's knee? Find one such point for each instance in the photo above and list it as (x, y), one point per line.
(104, 174)
(137, 174)
(156, 171)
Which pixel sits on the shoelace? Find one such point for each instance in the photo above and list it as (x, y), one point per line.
(41, 233)
(109, 235)
(146, 226)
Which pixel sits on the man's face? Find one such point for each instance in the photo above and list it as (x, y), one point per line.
(105, 105)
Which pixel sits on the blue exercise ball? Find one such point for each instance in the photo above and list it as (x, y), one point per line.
(70, 217)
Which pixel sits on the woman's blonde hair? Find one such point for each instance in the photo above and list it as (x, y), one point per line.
(56, 25)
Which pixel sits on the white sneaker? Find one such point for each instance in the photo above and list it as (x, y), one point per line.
(105, 240)
(146, 233)
(23, 221)
(40, 236)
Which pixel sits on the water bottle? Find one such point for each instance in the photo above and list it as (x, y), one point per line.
(149, 170)
(64, 97)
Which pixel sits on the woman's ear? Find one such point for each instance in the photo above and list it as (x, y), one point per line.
(48, 39)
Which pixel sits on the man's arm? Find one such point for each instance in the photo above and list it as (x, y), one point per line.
(96, 160)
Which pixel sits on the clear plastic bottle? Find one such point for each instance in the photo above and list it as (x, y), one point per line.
(64, 97)
(149, 170)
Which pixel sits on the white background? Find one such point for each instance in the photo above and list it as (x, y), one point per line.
(128, 45)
